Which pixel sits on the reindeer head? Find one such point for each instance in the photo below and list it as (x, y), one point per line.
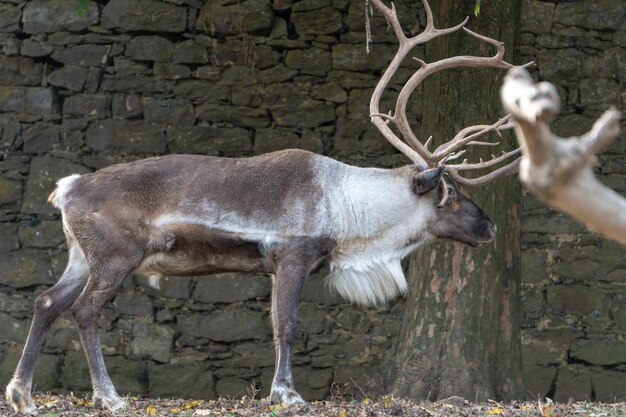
(457, 217)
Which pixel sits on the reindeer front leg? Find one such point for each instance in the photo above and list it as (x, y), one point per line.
(287, 286)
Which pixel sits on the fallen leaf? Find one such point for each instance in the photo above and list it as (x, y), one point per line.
(495, 411)
(278, 407)
(203, 413)
(151, 410)
(192, 404)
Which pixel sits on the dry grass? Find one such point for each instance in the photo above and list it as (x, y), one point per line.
(78, 406)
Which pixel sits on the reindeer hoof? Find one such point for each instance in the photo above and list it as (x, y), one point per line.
(284, 395)
(19, 398)
(111, 402)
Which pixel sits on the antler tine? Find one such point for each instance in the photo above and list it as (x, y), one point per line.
(509, 169)
(470, 133)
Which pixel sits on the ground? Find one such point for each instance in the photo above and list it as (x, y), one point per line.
(50, 405)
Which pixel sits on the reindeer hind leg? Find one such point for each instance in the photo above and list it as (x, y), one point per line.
(48, 306)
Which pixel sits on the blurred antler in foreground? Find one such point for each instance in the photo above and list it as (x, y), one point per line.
(559, 171)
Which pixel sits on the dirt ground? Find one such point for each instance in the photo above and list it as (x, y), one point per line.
(79, 406)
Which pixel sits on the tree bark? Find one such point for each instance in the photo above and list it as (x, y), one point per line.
(459, 332)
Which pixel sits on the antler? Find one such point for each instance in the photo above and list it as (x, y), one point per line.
(408, 143)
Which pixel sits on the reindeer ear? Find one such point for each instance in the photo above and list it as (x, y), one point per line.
(428, 180)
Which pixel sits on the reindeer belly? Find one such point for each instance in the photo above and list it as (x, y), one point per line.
(188, 249)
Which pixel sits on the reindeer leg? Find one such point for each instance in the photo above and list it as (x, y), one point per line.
(48, 306)
(102, 285)
(287, 286)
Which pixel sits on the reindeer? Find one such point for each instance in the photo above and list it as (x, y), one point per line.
(285, 213)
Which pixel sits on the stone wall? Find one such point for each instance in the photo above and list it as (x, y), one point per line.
(574, 283)
(126, 79)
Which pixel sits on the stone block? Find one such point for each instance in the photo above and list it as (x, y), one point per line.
(536, 16)
(46, 371)
(278, 75)
(330, 92)
(229, 324)
(316, 291)
(150, 48)
(19, 71)
(252, 355)
(576, 299)
(534, 266)
(573, 381)
(323, 21)
(71, 77)
(285, 94)
(596, 15)
(308, 114)
(201, 91)
(46, 16)
(41, 233)
(599, 93)
(63, 336)
(605, 262)
(35, 49)
(127, 106)
(170, 287)
(538, 380)
(9, 132)
(167, 381)
(312, 59)
(129, 377)
(171, 71)
(313, 384)
(41, 138)
(561, 64)
(144, 15)
(93, 106)
(246, 17)
(541, 349)
(25, 268)
(13, 330)
(10, 191)
(231, 287)
(75, 373)
(269, 140)
(45, 171)
(9, 242)
(209, 140)
(152, 341)
(9, 18)
(190, 52)
(172, 111)
(312, 318)
(83, 55)
(131, 83)
(600, 352)
(609, 386)
(352, 57)
(232, 387)
(550, 223)
(133, 304)
(14, 303)
(239, 116)
(128, 136)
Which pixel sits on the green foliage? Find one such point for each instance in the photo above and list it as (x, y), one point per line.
(82, 7)
(477, 7)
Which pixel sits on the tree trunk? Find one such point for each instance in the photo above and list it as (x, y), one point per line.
(459, 333)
